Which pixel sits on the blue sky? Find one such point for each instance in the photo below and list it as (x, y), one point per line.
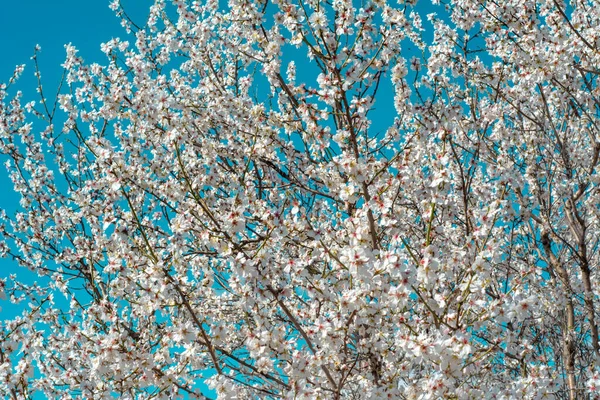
(52, 24)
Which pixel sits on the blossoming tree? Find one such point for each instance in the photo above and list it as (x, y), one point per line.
(224, 203)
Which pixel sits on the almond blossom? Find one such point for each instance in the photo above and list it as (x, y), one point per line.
(310, 200)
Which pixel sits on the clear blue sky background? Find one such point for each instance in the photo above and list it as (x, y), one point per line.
(54, 23)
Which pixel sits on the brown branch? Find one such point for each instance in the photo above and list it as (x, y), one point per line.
(297, 325)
